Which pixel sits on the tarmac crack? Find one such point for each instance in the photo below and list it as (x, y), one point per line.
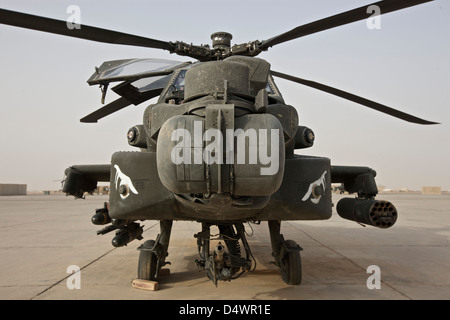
(82, 268)
(66, 277)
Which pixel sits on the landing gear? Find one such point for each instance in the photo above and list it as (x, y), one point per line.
(153, 253)
(223, 264)
(286, 254)
(147, 264)
(291, 265)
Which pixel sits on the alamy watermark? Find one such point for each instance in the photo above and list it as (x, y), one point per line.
(258, 147)
(374, 280)
(74, 20)
(374, 21)
(73, 281)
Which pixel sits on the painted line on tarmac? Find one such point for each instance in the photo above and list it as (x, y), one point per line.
(83, 267)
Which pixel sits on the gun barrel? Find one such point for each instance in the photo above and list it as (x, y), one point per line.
(219, 250)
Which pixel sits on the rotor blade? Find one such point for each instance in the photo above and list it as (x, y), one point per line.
(110, 108)
(354, 15)
(349, 96)
(33, 22)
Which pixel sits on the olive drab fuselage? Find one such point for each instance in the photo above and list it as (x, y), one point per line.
(220, 147)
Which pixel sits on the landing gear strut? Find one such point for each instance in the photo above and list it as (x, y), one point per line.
(286, 254)
(153, 253)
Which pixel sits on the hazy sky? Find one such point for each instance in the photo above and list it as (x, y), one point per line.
(405, 64)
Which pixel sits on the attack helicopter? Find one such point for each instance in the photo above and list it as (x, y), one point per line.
(217, 148)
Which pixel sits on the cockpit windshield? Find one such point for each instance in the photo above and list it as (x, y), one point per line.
(179, 81)
(120, 70)
(142, 79)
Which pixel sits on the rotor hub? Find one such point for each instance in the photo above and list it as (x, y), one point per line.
(221, 40)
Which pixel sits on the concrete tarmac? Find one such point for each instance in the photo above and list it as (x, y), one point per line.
(41, 237)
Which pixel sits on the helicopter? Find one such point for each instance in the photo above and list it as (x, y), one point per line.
(217, 148)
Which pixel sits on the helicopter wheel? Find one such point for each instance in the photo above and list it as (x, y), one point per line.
(147, 262)
(291, 266)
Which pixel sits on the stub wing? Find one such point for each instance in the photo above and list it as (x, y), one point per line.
(84, 178)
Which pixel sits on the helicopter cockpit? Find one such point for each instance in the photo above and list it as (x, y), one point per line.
(140, 80)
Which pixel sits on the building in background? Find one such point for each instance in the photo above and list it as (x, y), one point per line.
(431, 190)
(9, 189)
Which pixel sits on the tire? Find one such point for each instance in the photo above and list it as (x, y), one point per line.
(291, 265)
(147, 262)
